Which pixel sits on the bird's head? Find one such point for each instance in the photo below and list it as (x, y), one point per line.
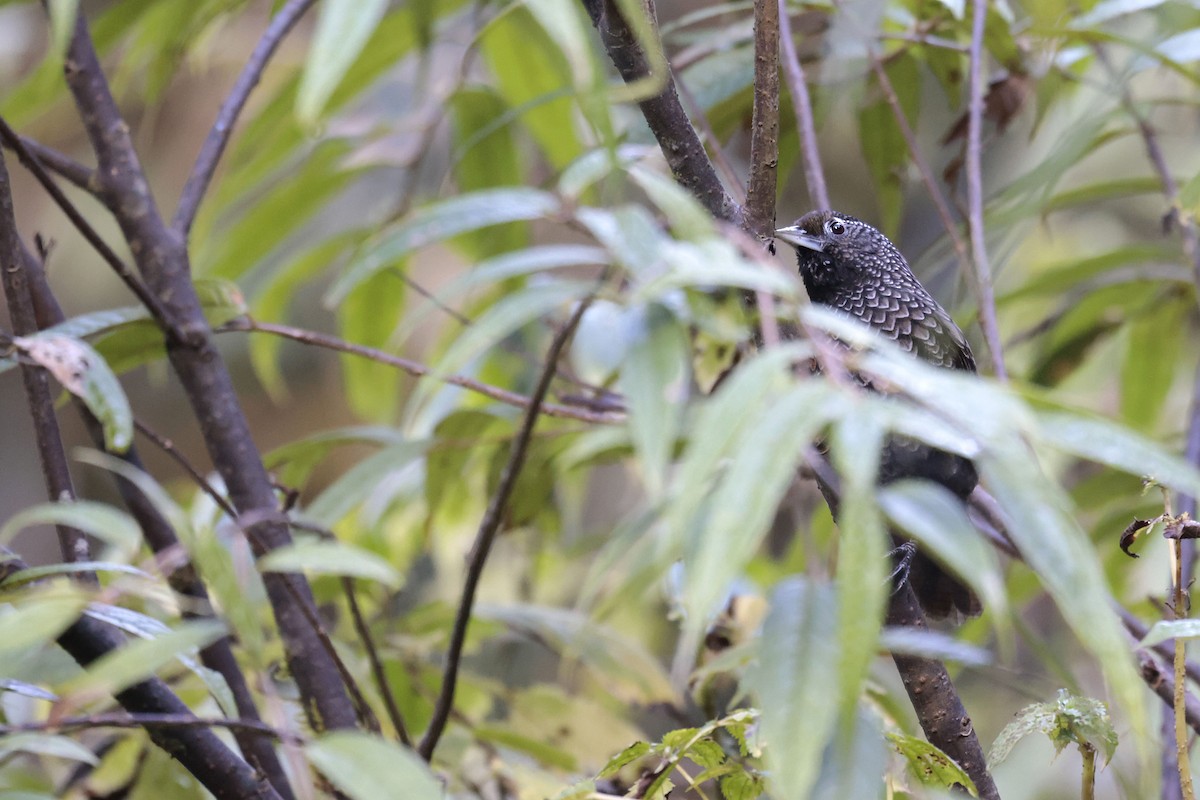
(834, 248)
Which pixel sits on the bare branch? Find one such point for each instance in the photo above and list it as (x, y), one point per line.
(53, 458)
(764, 123)
(377, 670)
(162, 260)
(663, 112)
(149, 720)
(78, 174)
(214, 144)
(979, 257)
(488, 527)
(417, 369)
(810, 155)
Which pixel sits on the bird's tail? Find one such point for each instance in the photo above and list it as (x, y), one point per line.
(941, 594)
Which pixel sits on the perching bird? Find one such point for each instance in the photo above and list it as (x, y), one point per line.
(848, 265)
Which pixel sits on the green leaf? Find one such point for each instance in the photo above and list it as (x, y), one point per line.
(140, 658)
(1100, 440)
(612, 654)
(367, 316)
(366, 767)
(296, 460)
(468, 212)
(930, 765)
(486, 157)
(340, 498)
(795, 679)
(932, 644)
(936, 519)
(38, 617)
(1148, 368)
(545, 753)
(883, 143)
(533, 75)
(63, 14)
(1166, 629)
(689, 220)
(45, 744)
(1068, 720)
(856, 764)
(623, 759)
(343, 28)
(331, 558)
(84, 373)
(106, 523)
(654, 382)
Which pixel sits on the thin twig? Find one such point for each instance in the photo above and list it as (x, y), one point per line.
(168, 447)
(147, 720)
(214, 144)
(417, 369)
(80, 175)
(810, 155)
(914, 152)
(979, 257)
(127, 275)
(488, 527)
(381, 681)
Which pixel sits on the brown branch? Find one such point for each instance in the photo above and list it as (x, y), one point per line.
(417, 369)
(39, 397)
(764, 122)
(1163, 685)
(214, 144)
(34, 165)
(810, 155)
(914, 152)
(162, 260)
(663, 112)
(979, 257)
(196, 747)
(162, 538)
(81, 176)
(254, 727)
(488, 527)
(377, 670)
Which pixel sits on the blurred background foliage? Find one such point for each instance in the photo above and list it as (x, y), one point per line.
(443, 180)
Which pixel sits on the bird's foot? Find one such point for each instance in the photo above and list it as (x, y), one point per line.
(903, 555)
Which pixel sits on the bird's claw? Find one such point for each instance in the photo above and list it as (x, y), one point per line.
(903, 555)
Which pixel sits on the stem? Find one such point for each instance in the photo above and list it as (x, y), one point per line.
(1179, 696)
(810, 155)
(1088, 790)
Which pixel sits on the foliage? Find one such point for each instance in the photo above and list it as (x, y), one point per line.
(443, 183)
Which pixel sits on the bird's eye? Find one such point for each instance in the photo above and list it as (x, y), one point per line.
(837, 227)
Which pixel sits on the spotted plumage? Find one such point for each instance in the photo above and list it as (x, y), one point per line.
(848, 265)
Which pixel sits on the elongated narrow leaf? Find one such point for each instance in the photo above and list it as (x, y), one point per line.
(795, 680)
(343, 27)
(45, 744)
(367, 316)
(932, 516)
(141, 658)
(367, 767)
(330, 558)
(1166, 629)
(106, 523)
(39, 618)
(340, 498)
(84, 373)
(653, 381)
(862, 568)
(441, 221)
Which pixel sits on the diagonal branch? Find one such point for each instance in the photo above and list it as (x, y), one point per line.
(214, 144)
(979, 256)
(669, 123)
(488, 527)
(78, 174)
(162, 260)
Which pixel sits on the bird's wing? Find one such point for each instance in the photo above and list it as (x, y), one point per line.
(911, 318)
(938, 340)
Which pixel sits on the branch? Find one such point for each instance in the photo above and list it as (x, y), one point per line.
(53, 458)
(214, 144)
(255, 728)
(979, 256)
(764, 123)
(914, 152)
(814, 175)
(34, 165)
(377, 670)
(488, 528)
(162, 260)
(664, 114)
(197, 748)
(417, 369)
(934, 698)
(81, 176)
(161, 537)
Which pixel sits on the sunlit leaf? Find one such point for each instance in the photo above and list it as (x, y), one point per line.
(330, 558)
(343, 28)
(366, 767)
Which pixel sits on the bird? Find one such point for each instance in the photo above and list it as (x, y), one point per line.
(848, 265)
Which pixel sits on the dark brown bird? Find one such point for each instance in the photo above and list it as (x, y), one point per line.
(848, 265)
